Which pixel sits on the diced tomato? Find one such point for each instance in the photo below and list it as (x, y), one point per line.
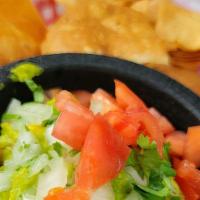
(187, 172)
(72, 125)
(74, 193)
(103, 155)
(164, 124)
(83, 96)
(102, 102)
(177, 142)
(129, 131)
(52, 93)
(64, 97)
(189, 193)
(126, 98)
(150, 126)
(192, 146)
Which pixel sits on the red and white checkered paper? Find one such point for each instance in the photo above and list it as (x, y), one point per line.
(49, 10)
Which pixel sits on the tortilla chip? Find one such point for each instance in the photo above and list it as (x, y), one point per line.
(15, 44)
(132, 37)
(22, 30)
(75, 36)
(148, 7)
(109, 30)
(178, 25)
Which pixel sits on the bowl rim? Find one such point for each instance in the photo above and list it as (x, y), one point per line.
(102, 63)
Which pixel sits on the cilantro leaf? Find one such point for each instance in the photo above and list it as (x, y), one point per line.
(150, 176)
(144, 142)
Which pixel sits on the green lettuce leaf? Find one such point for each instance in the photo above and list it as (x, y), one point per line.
(54, 115)
(25, 71)
(38, 92)
(10, 117)
(38, 132)
(21, 180)
(7, 139)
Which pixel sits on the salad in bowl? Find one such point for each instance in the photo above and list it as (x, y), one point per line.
(79, 146)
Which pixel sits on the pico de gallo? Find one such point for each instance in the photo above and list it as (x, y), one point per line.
(77, 145)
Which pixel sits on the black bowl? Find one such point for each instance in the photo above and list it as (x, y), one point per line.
(82, 71)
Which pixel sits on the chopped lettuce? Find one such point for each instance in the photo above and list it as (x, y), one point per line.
(38, 132)
(7, 139)
(54, 176)
(55, 113)
(105, 192)
(38, 93)
(33, 113)
(9, 117)
(21, 180)
(134, 195)
(58, 148)
(36, 161)
(25, 71)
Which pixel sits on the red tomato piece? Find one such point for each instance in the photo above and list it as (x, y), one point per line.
(192, 146)
(188, 172)
(129, 131)
(126, 98)
(177, 142)
(164, 124)
(103, 155)
(74, 193)
(72, 125)
(63, 98)
(189, 193)
(150, 125)
(83, 96)
(102, 102)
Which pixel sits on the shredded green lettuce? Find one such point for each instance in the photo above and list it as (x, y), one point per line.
(25, 71)
(38, 132)
(21, 180)
(33, 160)
(38, 92)
(7, 139)
(10, 117)
(58, 148)
(55, 113)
